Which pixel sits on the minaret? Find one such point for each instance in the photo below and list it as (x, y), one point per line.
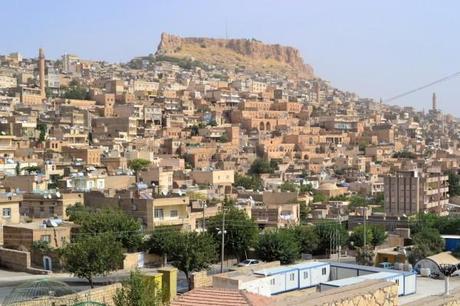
(41, 71)
(435, 106)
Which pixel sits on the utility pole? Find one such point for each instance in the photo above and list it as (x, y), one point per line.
(204, 217)
(364, 225)
(339, 245)
(223, 242)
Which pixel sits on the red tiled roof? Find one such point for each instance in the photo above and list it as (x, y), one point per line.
(220, 297)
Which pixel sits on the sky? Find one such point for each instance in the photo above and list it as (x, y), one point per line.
(374, 48)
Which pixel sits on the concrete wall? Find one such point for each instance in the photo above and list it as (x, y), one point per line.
(18, 261)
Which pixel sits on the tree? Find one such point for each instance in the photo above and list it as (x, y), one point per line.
(138, 290)
(357, 236)
(161, 242)
(304, 210)
(288, 186)
(357, 201)
(260, 166)
(193, 252)
(43, 129)
(454, 184)
(330, 232)
(124, 228)
(378, 234)
(307, 238)
(427, 242)
(31, 169)
(92, 256)
(137, 165)
(241, 232)
(365, 256)
(248, 182)
(278, 244)
(319, 197)
(76, 91)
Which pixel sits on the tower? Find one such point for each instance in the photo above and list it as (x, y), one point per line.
(41, 71)
(435, 106)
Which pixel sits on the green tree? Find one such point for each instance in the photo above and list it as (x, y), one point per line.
(161, 242)
(378, 234)
(423, 221)
(248, 182)
(307, 237)
(193, 252)
(357, 236)
(241, 232)
(319, 197)
(43, 130)
(304, 210)
(76, 91)
(427, 242)
(289, 186)
(137, 165)
(31, 169)
(278, 244)
(454, 184)
(357, 201)
(330, 232)
(365, 256)
(260, 166)
(138, 290)
(92, 256)
(125, 228)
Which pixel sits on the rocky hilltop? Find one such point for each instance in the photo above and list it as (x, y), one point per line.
(248, 54)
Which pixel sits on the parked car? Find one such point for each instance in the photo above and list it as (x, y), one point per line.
(248, 262)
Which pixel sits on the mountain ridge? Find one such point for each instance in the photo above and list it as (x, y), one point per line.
(249, 54)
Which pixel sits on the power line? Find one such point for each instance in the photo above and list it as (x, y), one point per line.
(446, 78)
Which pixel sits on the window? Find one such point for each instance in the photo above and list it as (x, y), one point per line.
(46, 238)
(42, 209)
(51, 209)
(324, 271)
(6, 212)
(173, 213)
(272, 282)
(305, 274)
(158, 213)
(291, 276)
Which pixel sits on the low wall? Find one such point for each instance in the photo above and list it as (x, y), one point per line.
(370, 293)
(18, 261)
(102, 295)
(201, 279)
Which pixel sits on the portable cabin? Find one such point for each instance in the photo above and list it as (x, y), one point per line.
(293, 277)
(347, 272)
(312, 273)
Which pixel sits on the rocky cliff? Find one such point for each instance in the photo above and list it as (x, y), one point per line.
(246, 54)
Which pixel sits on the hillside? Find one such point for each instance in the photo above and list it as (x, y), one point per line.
(246, 54)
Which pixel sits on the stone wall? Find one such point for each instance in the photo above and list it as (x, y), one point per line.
(201, 279)
(370, 293)
(102, 295)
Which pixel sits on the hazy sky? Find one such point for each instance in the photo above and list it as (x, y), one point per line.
(375, 48)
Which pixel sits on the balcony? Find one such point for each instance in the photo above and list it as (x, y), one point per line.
(170, 221)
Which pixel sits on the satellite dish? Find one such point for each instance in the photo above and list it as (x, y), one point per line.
(58, 194)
